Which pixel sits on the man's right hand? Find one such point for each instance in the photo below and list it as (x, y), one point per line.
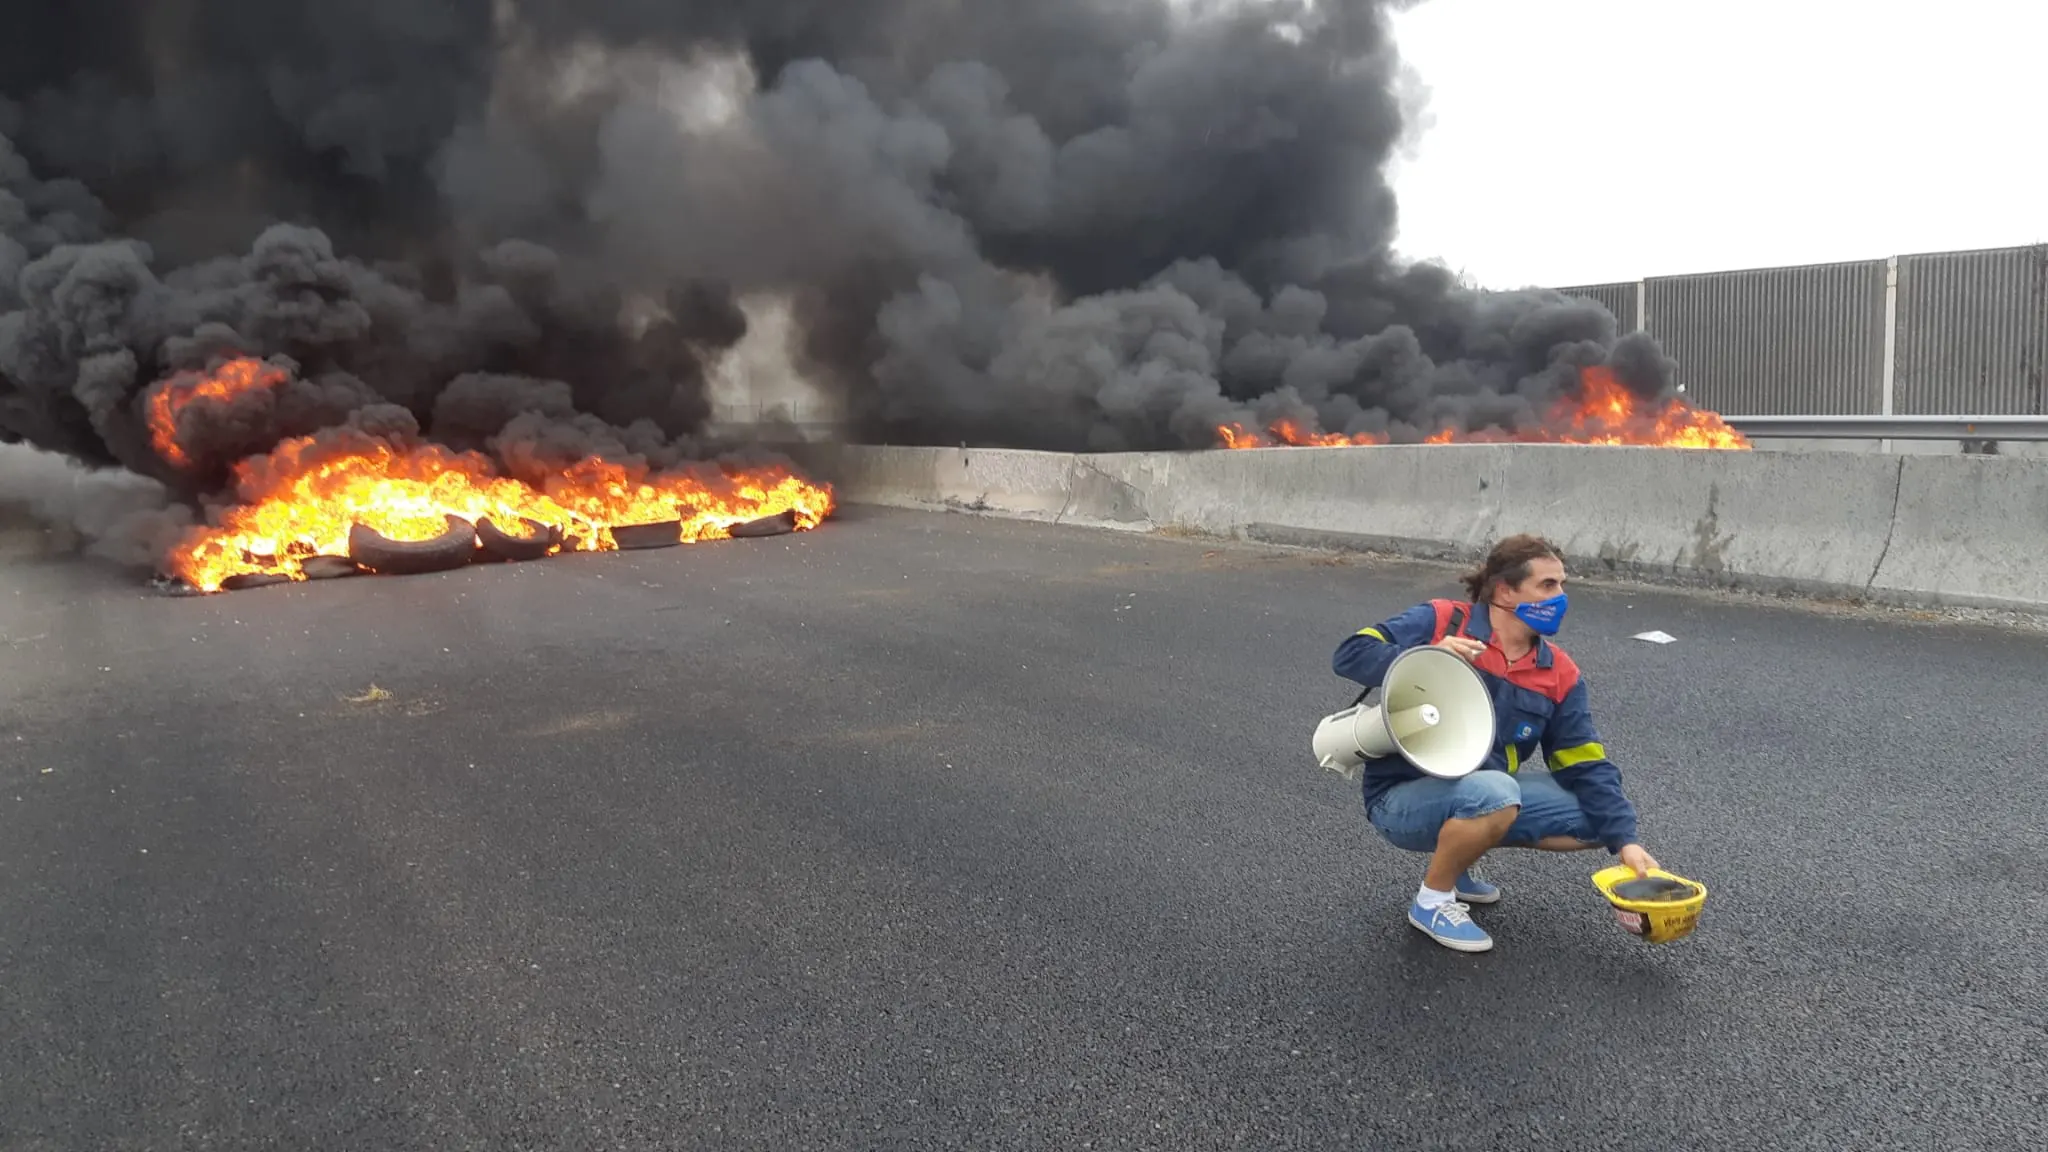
(1634, 856)
(1463, 645)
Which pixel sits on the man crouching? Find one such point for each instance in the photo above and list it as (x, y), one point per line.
(1540, 703)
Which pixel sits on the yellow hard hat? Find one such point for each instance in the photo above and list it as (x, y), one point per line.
(1659, 907)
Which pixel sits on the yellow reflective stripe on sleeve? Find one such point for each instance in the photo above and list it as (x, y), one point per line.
(1567, 757)
(1514, 759)
(1375, 634)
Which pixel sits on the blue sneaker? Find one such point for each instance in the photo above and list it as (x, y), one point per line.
(1448, 925)
(1472, 890)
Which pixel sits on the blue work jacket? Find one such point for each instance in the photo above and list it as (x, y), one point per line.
(1540, 707)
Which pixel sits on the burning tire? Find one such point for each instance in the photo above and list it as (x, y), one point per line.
(330, 568)
(501, 545)
(661, 534)
(379, 553)
(775, 525)
(244, 581)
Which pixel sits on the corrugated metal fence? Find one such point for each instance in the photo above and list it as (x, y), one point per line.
(1941, 333)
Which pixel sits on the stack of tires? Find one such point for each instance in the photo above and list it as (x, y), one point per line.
(461, 542)
(458, 544)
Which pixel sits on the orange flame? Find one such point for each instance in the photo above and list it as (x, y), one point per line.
(304, 503)
(235, 378)
(1604, 412)
(1290, 433)
(1235, 436)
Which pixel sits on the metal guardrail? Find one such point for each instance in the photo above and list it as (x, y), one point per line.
(2014, 428)
(2022, 428)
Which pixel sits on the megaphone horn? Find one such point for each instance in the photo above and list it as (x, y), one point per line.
(1434, 712)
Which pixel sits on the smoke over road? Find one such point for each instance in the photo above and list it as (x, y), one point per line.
(525, 227)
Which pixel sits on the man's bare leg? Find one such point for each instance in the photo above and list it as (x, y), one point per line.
(1558, 844)
(1462, 842)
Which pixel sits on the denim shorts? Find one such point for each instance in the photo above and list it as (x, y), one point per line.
(1411, 813)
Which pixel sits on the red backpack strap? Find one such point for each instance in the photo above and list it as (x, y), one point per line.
(1450, 619)
(1450, 616)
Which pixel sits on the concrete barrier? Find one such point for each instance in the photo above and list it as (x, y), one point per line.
(1004, 482)
(1765, 521)
(1969, 531)
(1027, 485)
(1909, 530)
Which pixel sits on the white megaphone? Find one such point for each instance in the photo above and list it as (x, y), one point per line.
(1434, 711)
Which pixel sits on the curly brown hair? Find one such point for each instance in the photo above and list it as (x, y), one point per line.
(1508, 563)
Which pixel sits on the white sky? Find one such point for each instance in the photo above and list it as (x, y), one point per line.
(1581, 141)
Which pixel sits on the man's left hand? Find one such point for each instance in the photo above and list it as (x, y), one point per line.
(1634, 856)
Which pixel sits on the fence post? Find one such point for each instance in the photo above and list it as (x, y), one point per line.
(1891, 341)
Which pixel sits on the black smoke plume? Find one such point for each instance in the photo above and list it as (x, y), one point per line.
(530, 225)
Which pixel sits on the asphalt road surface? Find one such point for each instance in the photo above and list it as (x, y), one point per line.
(925, 831)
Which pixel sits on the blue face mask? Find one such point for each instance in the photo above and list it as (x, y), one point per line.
(1543, 616)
